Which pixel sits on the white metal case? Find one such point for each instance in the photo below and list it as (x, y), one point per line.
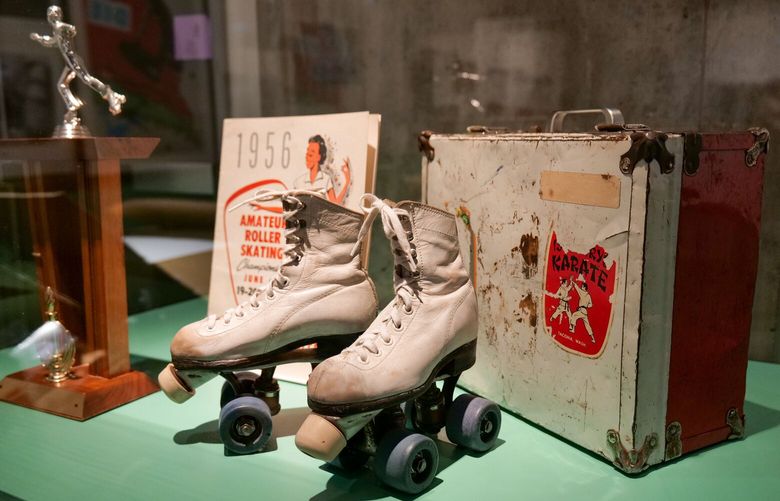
(573, 241)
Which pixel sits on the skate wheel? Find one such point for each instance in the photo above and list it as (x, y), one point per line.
(406, 461)
(473, 423)
(245, 425)
(319, 438)
(245, 379)
(172, 386)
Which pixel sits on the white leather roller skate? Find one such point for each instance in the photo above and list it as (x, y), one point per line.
(319, 301)
(427, 333)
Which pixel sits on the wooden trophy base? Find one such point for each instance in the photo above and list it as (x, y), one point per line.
(80, 397)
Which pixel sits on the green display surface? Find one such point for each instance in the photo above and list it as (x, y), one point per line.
(155, 449)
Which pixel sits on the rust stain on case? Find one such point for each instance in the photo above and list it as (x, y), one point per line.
(528, 310)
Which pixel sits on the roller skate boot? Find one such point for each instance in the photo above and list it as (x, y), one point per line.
(319, 302)
(426, 334)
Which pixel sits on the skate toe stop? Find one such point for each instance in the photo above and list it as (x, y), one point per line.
(320, 438)
(173, 386)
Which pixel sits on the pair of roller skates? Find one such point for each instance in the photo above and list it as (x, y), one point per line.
(374, 377)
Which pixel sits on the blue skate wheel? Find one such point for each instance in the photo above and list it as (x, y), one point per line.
(406, 461)
(473, 422)
(245, 425)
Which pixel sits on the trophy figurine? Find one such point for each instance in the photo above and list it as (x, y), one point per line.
(62, 37)
(55, 345)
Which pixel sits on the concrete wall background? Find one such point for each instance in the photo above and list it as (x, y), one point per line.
(443, 65)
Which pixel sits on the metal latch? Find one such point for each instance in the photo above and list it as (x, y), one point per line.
(673, 441)
(621, 127)
(691, 150)
(761, 145)
(424, 144)
(485, 129)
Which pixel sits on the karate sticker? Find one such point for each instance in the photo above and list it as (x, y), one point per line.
(578, 291)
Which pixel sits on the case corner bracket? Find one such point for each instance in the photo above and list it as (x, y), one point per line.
(648, 146)
(736, 423)
(424, 145)
(631, 461)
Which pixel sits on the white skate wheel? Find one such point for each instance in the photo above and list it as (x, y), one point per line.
(172, 386)
(320, 438)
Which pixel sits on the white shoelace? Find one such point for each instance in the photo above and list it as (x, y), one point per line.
(293, 248)
(403, 257)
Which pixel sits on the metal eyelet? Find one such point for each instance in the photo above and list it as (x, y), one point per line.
(409, 310)
(397, 328)
(409, 235)
(388, 342)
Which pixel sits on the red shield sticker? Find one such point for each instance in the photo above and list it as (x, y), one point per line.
(578, 292)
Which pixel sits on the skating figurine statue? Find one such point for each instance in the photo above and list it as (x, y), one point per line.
(62, 37)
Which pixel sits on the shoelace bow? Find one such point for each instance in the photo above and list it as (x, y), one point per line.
(293, 247)
(403, 257)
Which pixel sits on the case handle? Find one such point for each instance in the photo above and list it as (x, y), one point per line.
(612, 116)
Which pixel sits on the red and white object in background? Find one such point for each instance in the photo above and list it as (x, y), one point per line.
(615, 274)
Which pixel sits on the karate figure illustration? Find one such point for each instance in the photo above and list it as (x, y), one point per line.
(563, 300)
(582, 309)
(320, 173)
(62, 37)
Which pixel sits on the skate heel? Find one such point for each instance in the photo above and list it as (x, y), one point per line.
(180, 386)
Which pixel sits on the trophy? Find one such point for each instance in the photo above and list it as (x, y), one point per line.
(78, 249)
(62, 35)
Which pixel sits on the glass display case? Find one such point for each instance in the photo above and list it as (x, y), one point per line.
(112, 234)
